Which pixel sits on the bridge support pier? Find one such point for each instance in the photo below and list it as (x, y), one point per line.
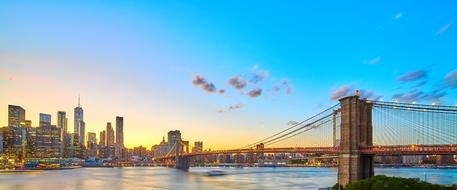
(182, 163)
(356, 133)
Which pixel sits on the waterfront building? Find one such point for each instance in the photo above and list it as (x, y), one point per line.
(102, 140)
(14, 141)
(16, 115)
(198, 146)
(31, 146)
(79, 122)
(160, 149)
(48, 141)
(1, 143)
(109, 135)
(62, 122)
(140, 151)
(119, 136)
(82, 134)
(92, 144)
(45, 120)
(75, 148)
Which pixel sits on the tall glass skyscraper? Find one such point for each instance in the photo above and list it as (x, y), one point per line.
(79, 127)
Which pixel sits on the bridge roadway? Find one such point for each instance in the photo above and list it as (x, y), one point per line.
(448, 149)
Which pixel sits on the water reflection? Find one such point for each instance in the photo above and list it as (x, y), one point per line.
(196, 178)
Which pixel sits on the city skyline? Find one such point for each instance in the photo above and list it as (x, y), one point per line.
(170, 66)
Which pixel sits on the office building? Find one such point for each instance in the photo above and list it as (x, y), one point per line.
(45, 120)
(62, 122)
(16, 115)
(198, 146)
(119, 136)
(109, 135)
(79, 127)
(92, 144)
(173, 137)
(102, 140)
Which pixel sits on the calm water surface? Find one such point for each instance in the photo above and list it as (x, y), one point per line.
(236, 178)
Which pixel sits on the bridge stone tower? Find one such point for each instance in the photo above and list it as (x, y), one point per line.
(356, 133)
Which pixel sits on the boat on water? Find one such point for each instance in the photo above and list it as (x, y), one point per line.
(215, 173)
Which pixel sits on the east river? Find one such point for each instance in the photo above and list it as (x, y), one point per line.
(196, 178)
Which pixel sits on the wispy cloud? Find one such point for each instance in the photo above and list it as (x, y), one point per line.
(373, 61)
(411, 96)
(444, 28)
(399, 15)
(258, 74)
(412, 76)
(232, 107)
(416, 95)
(451, 79)
(345, 90)
(283, 84)
(340, 92)
(369, 94)
(201, 82)
(255, 92)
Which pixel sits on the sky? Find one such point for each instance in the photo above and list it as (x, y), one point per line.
(224, 72)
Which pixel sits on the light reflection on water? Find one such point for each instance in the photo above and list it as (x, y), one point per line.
(236, 178)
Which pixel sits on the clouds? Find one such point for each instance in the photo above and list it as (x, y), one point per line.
(232, 107)
(411, 96)
(416, 95)
(370, 95)
(346, 90)
(258, 75)
(399, 15)
(201, 82)
(444, 28)
(373, 61)
(237, 82)
(283, 84)
(255, 92)
(451, 79)
(340, 92)
(412, 76)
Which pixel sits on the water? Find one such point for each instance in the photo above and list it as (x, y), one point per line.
(236, 178)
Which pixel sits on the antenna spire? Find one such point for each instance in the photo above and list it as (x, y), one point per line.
(79, 100)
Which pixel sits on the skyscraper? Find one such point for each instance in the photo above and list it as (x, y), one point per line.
(92, 144)
(198, 146)
(16, 115)
(119, 136)
(79, 122)
(120, 131)
(109, 135)
(82, 135)
(173, 137)
(45, 120)
(102, 141)
(62, 125)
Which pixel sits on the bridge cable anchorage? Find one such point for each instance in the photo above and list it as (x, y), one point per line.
(295, 125)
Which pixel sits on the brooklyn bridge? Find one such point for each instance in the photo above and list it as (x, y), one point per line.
(355, 130)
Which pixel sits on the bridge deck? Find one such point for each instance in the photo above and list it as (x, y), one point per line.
(449, 149)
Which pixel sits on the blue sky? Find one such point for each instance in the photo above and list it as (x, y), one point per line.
(141, 59)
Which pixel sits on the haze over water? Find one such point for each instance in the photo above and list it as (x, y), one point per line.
(195, 179)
